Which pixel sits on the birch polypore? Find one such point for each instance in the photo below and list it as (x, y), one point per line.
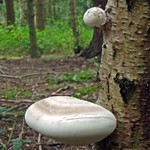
(70, 120)
(95, 17)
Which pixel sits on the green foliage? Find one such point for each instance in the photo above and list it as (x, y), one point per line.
(1, 130)
(85, 33)
(79, 93)
(26, 94)
(82, 76)
(57, 38)
(14, 40)
(5, 110)
(2, 109)
(10, 94)
(18, 143)
(8, 111)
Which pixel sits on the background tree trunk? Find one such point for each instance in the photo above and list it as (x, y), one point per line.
(95, 46)
(39, 14)
(48, 11)
(34, 51)
(125, 75)
(23, 11)
(10, 13)
(2, 12)
(74, 26)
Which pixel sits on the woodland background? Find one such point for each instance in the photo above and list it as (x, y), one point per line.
(52, 32)
(59, 27)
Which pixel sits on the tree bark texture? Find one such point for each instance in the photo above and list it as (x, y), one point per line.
(39, 14)
(34, 52)
(125, 75)
(10, 13)
(95, 46)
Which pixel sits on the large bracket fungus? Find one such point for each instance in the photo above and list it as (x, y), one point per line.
(70, 120)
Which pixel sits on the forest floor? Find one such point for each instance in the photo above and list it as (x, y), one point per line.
(25, 81)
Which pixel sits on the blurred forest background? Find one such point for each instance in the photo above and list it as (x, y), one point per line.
(58, 24)
(53, 30)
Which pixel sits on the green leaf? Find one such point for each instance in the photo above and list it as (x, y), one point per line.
(2, 109)
(1, 130)
(18, 143)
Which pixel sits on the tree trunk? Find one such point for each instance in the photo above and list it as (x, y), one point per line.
(39, 17)
(34, 51)
(10, 13)
(95, 46)
(48, 9)
(74, 26)
(125, 75)
(23, 11)
(2, 12)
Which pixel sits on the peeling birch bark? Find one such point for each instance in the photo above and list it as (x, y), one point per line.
(125, 75)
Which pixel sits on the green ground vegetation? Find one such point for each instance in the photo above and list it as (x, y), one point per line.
(55, 39)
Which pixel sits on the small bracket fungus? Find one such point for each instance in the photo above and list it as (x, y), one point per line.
(96, 17)
(70, 120)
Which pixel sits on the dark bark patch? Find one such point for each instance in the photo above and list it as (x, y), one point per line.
(130, 4)
(101, 3)
(127, 87)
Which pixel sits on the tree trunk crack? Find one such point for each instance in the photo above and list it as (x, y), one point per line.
(108, 87)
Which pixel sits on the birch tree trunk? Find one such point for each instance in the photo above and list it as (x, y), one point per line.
(125, 75)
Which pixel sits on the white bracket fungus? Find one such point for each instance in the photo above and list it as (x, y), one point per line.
(70, 120)
(96, 17)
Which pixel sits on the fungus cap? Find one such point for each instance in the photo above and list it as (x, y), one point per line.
(95, 17)
(70, 120)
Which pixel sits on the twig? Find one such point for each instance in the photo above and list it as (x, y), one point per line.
(2, 68)
(17, 101)
(8, 76)
(59, 90)
(3, 145)
(13, 128)
(11, 108)
(39, 141)
(22, 129)
(23, 76)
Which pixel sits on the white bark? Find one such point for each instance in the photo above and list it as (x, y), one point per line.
(125, 59)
